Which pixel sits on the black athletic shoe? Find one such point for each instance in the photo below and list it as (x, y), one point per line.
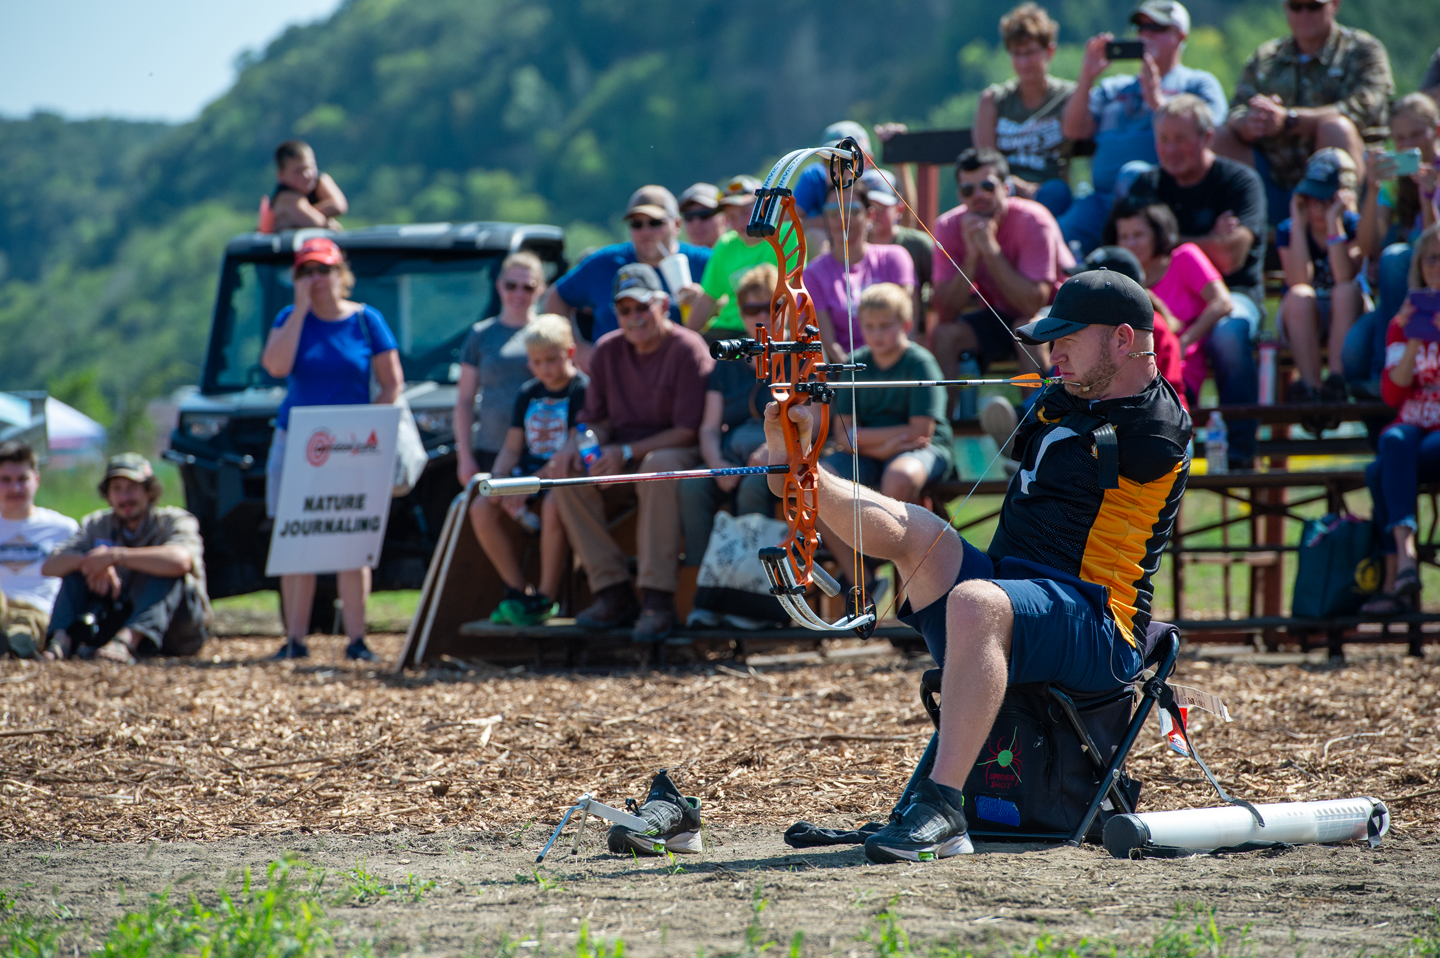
(358, 651)
(673, 823)
(930, 828)
(292, 649)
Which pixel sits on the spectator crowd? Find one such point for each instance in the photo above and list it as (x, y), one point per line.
(1311, 167)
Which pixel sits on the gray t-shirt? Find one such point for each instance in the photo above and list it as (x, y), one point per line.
(498, 352)
(1031, 139)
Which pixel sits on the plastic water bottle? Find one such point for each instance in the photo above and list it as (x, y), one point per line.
(965, 407)
(1217, 446)
(589, 444)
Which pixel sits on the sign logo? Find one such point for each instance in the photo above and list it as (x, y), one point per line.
(1001, 761)
(317, 450)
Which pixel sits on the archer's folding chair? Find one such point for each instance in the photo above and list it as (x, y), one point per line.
(1113, 791)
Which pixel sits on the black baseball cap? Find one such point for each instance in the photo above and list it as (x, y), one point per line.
(638, 281)
(1117, 259)
(1097, 297)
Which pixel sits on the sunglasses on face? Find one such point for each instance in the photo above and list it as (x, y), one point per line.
(967, 190)
(310, 269)
(1151, 28)
(693, 215)
(510, 286)
(852, 208)
(639, 224)
(1305, 6)
(628, 307)
(754, 309)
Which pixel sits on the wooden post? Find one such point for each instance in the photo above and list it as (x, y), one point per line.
(927, 193)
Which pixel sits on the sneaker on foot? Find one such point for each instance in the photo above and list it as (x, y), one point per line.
(292, 649)
(358, 651)
(930, 828)
(672, 823)
(534, 609)
(511, 606)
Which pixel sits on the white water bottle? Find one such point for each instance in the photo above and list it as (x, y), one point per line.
(589, 444)
(1217, 446)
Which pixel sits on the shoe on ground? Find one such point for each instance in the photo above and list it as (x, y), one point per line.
(929, 829)
(292, 649)
(358, 651)
(999, 419)
(703, 619)
(672, 824)
(657, 617)
(613, 608)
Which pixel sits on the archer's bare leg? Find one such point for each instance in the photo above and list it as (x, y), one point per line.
(926, 551)
(979, 624)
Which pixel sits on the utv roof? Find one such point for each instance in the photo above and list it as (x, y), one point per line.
(500, 237)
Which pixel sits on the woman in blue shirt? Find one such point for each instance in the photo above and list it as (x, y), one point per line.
(319, 347)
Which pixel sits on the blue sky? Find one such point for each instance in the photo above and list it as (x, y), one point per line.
(136, 59)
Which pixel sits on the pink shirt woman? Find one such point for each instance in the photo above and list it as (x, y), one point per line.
(825, 278)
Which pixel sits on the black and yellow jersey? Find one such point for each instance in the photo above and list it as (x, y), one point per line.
(1058, 513)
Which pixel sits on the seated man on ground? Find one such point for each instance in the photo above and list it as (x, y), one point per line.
(1322, 86)
(731, 434)
(653, 217)
(303, 197)
(28, 533)
(1064, 593)
(1322, 267)
(644, 403)
(1021, 117)
(137, 568)
(1118, 112)
(1012, 251)
(545, 410)
(898, 439)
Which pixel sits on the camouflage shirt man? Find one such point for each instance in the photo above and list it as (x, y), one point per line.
(1351, 74)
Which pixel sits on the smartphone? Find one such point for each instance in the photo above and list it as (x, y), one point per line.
(1422, 324)
(1125, 50)
(1407, 162)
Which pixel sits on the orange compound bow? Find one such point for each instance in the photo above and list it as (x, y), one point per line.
(790, 359)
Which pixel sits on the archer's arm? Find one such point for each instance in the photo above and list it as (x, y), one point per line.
(902, 533)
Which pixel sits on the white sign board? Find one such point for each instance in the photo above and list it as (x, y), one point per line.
(335, 491)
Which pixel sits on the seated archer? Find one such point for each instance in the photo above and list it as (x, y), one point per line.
(1064, 593)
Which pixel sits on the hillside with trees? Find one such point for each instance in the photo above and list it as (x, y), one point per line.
(533, 110)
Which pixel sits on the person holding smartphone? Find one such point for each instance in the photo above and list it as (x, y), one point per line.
(1399, 204)
(1117, 112)
(1410, 447)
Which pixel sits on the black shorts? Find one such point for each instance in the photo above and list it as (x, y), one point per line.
(996, 343)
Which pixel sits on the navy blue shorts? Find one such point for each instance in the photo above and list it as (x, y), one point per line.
(1062, 633)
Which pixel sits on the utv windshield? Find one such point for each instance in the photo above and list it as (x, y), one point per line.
(429, 303)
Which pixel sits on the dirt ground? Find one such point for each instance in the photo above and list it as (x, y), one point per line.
(178, 773)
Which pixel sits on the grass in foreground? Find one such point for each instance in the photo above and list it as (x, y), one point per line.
(286, 917)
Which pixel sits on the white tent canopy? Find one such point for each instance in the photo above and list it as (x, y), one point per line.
(70, 430)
